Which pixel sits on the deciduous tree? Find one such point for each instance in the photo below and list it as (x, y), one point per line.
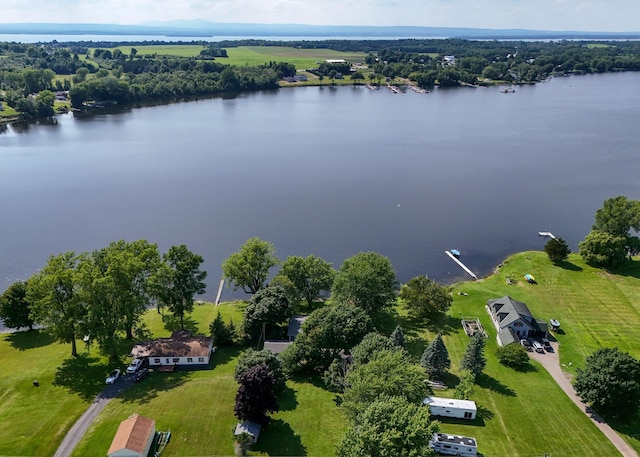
(15, 307)
(252, 358)
(311, 276)
(425, 298)
(268, 306)
(178, 279)
(390, 426)
(368, 281)
(512, 355)
(56, 304)
(610, 381)
(248, 268)
(603, 249)
(256, 397)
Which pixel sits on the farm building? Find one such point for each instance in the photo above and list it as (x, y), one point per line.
(180, 350)
(450, 407)
(134, 437)
(251, 428)
(454, 445)
(514, 321)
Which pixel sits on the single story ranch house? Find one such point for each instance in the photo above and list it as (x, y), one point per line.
(180, 350)
(514, 321)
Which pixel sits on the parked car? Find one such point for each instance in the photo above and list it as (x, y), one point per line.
(113, 377)
(134, 366)
(538, 347)
(546, 344)
(141, 374)
(525, 344)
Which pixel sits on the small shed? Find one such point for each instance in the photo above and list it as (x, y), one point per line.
(250, 428)
(134, 437)
(451, 407)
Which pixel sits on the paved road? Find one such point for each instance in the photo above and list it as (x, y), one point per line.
(75, 433)
(551, 362)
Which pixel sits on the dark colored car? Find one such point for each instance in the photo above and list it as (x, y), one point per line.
(141, 374)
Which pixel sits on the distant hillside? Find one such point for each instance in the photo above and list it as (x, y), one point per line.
(203, 28)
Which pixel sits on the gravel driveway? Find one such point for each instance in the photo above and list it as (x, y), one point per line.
(77, 431)
(551, 362)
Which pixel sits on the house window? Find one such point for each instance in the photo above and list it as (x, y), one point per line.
(447, 446)
(167, 361)
(189, 359)
(201, 359)
(467, 415)
(156, 361)
(176, 360)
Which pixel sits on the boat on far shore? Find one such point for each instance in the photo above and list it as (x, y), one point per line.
(455, 253)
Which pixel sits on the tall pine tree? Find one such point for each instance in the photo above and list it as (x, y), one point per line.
(397, 338)
(473, 359)
(435, 358)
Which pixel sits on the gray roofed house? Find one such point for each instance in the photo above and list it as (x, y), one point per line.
(513, 320)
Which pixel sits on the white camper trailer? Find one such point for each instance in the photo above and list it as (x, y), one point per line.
(451, 407)
(454, 445)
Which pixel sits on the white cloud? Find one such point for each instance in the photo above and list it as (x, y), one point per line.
(596, 15)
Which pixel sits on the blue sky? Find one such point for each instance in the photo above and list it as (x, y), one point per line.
(583, 15)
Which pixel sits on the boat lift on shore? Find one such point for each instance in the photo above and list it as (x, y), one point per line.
(462, 265)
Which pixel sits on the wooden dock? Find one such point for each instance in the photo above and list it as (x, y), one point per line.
(547, 235)
(219, 291)
(462, 265)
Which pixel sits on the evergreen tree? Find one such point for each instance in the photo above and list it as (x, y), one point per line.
(557, 249)
(473, 359)
(435, 358)
(220, 332)
(397, 338)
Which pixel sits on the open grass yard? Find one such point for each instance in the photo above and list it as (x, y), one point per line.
(178, 50)
(301, 58)
(595, 309)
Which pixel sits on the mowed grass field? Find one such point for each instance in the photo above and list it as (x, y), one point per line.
(251, 55)
(521, 413)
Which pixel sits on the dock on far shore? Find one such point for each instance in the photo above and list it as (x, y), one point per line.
(547, 235)
(462, 265)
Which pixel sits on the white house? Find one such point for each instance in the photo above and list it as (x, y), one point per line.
(514, 321)
(134, 437)
(454, 445)
(451, 407)
(180, 350)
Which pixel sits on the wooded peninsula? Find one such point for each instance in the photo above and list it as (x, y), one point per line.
(36, 80)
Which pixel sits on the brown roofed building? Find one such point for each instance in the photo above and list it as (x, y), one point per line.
(133, 438)
(181, 349)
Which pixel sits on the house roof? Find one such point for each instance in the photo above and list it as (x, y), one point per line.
(450, 402)
(276, 346)
(179, 345)
(507, 310)
(249, 427)
(133, 434)
(295, 325)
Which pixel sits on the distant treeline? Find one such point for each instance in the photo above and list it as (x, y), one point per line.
(109, 75)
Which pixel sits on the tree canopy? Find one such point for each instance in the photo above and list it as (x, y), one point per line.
(248, 268)
(56, 304)
(15, 307)
(473, 359)
(310, 276)
(389, 426)
(557, 250)
(368, 281)
(603, 249)
(178, 279)
(255, 397)
(252, 358)
(610, 381)
(618, 216)
(388, 373)
(326, 333)
(267, 307)
(425, 298)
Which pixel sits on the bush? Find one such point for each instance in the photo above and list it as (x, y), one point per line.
(512, 355)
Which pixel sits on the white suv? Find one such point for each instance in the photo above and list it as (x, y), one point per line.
(134, 366)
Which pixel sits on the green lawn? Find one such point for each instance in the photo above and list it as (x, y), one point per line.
(301, 58)
(185, 50)
(521, 413)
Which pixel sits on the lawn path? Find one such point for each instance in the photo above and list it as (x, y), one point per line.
(77, 431)
(551, 362)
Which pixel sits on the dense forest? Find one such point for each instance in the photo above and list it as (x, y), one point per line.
(96, 73)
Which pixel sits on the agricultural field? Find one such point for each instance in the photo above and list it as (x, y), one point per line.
(301, 58)
(520, 413)
(177, 50)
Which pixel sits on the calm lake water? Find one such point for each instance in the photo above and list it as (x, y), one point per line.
(326, 171)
